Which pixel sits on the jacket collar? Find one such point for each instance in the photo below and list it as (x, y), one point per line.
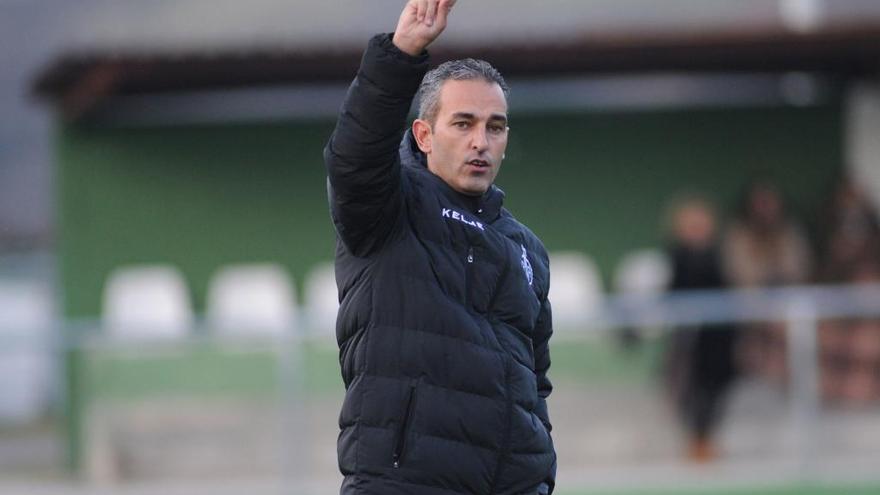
(489, 205)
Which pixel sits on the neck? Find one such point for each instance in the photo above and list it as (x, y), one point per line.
(472, 202)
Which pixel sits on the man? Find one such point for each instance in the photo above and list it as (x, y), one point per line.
(444, 321)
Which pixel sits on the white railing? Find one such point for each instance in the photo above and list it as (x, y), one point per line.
(801, 308)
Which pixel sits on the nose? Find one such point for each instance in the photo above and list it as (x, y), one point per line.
(479, 139)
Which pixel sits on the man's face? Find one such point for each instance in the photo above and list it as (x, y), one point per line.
(466, 143)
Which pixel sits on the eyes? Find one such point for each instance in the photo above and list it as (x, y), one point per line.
(492, 127)
(496, 128)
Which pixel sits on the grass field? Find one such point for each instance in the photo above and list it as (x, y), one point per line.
(210, 370)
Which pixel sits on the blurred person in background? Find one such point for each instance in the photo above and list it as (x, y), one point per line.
(699, 366)
(850, 233)
(850, 349)
(444, 322)
(764, 247)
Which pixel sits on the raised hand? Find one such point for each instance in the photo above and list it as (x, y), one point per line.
(420, 23)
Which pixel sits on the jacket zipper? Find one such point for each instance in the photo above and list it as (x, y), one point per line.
(468, 275)
(400, 442)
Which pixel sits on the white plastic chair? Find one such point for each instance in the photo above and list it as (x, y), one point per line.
(147, 301)
(322, 298)
(26, 366)
(251, 299)
(643, 272)
(576, 291)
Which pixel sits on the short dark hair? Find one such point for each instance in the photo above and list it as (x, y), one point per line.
(467, 69)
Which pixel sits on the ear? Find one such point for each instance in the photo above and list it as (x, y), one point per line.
(421, 130)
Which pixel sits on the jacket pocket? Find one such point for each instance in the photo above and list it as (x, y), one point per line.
(404, 424)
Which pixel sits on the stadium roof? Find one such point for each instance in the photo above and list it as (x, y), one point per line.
(125, 48)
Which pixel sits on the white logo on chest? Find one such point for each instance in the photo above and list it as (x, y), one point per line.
(449, 213)
(526, 266)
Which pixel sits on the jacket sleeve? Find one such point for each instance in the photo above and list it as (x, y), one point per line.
(543, 331)
(541, 343)
(363, 165)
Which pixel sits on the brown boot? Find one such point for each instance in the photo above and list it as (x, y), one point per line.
(702, 450)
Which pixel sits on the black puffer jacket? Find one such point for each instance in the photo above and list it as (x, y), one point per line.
(444, 320)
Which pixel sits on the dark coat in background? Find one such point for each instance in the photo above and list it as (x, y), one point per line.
(702, 359)
(444, 321)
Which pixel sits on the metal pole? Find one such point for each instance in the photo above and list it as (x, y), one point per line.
(804, 378)
(294, 435)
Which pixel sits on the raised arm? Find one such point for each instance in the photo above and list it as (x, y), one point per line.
(362, 160)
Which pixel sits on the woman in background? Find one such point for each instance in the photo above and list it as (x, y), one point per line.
(764, 247)
(700, 362)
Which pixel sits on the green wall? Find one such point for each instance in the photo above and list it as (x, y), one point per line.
(198, 197)
(203, 196)
(600, 183)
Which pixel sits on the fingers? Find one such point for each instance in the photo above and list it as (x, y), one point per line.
(420, 23)
(443, 9)
(421, 10)
(432, 12)
(427, 11)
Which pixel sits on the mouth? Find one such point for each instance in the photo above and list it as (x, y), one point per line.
(479, 164)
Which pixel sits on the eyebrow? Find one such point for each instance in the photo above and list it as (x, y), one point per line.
(470, 116)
